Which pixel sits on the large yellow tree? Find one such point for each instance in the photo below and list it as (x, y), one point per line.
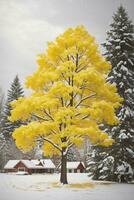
(70, 98)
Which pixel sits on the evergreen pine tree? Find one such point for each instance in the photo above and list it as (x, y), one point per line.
(71, 156)
(7, 127)
(100, 164)
(14, 93)
(117, 162)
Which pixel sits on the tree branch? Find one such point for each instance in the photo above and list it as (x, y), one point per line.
(64, 77)
(52, 143)
(39, 117)
(48, 115)
(80, 69)
(83, 99)
(70, 145)
(85, 117)
(53, 131)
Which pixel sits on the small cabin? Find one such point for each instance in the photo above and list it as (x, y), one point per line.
(75, 167)
(30, 166)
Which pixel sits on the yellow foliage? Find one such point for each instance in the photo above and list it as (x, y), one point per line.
(70, 96)
(49, 150)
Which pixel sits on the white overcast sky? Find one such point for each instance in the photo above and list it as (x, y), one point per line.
(27, 25)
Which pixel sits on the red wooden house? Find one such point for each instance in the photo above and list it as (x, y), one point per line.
(75, 167)
(30, 166)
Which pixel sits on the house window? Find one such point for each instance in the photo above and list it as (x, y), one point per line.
(70, 171)
(49, 170)
(21, 169)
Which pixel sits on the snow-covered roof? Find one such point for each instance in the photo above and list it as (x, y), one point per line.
(11, 164)
(73, 165)
(28, 163)
(32, 164)
(47, 163)
(37, 164)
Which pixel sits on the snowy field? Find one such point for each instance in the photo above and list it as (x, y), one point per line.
(46, 187)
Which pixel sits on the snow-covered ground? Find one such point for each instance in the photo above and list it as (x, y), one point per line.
(46, 187)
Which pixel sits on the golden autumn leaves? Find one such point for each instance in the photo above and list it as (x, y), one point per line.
(70, 96)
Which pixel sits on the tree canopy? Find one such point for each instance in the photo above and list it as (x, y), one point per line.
(70, 97)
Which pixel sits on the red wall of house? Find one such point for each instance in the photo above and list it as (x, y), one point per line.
(81, 167)
(11, 170)
(20, 164)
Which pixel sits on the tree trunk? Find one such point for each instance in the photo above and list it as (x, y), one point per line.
(63, 176)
